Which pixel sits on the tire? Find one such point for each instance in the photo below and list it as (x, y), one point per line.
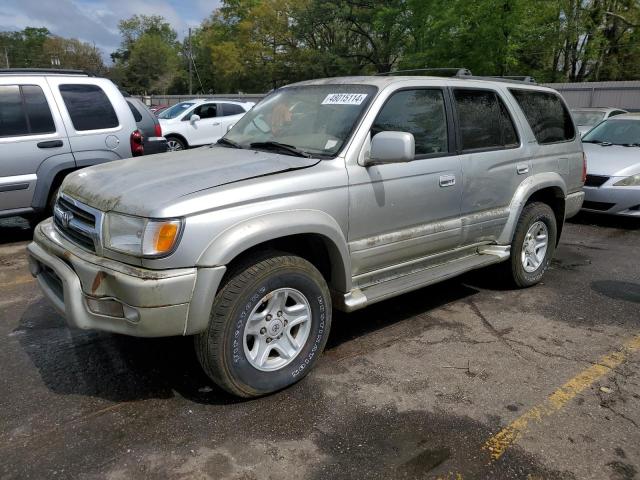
(233, 347)
(529, 260)
(175, 144)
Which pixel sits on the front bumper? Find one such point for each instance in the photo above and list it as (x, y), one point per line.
(154, 303)
(624, 201)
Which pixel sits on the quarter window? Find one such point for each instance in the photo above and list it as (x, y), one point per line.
(484, 120)
(547, 115)
(420, 112)
(24, 111)
(136, 114)
(89, 107)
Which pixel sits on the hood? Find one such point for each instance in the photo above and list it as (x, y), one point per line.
(140, 185)
(612, 161)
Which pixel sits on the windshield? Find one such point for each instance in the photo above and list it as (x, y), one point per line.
(583, 118)
(615, 132)
(176, 110)
(314, 120)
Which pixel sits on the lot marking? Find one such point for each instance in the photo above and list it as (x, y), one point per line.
(499, 442)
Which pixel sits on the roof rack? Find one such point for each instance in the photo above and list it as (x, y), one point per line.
(511, 78)
(436, 72)
(44, 71)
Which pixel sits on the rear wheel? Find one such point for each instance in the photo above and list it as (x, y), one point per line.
(533, 245)
(269, 324)
(175, 144)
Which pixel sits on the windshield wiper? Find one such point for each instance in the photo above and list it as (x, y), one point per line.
(290, 149)
(228, 143)
(599, 142)
(631, 144)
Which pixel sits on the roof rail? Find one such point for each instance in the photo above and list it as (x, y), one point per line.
(44, 71)
(508, 79)
(436, 72)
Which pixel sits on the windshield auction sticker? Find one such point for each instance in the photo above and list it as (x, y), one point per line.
(344, 99)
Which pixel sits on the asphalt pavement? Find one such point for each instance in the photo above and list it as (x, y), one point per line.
(465, 379)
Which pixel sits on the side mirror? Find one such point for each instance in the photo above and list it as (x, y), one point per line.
(194, 118)
(391, 147)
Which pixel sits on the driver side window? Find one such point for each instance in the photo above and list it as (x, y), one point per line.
(208, 110)
(420, 112)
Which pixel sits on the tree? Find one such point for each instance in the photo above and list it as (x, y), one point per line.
(72, 53)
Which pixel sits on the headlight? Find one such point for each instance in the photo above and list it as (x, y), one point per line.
(632, 181)
(140, 236)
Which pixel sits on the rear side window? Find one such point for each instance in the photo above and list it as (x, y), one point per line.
(136, 114)
(24, 111)
(231, 109)
(420, 112)
(484, 121)
(548, 117)
(89, 107)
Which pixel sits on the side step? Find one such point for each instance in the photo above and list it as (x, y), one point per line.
(361, 297)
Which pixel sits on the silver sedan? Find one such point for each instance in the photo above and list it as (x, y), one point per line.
(613, 166)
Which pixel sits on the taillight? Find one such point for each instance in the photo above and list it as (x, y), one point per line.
(137, 148)
(584, 167)
(158, 130)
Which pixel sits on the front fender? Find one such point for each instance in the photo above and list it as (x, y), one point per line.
(527, 188)
(260, 229)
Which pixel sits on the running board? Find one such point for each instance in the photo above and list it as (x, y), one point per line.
(361, 297)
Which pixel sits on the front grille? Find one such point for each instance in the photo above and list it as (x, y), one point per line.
(602, 206)
(77, 222)
(595, 180)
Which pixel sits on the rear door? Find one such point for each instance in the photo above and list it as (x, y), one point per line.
(494, 161)
(31, 133)
(98, 119)
(230, 114)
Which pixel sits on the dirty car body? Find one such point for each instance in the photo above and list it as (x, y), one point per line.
(326, 182)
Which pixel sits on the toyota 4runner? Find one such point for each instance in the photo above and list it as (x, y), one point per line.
(334, 193)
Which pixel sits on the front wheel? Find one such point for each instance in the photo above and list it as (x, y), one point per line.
(269, 324)
(533, 245)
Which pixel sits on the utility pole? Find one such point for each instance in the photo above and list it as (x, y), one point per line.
(6, 56)
(190, 65)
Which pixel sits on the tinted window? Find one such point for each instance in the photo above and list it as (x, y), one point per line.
(89, 107)
(420, 112)
(136, 114)
(231, 109)
(37, 108)
(12, 118)
(484, 120)
(208, 110)
(548, 117)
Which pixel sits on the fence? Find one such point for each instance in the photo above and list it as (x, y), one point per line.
(151, 100)
(625, 95)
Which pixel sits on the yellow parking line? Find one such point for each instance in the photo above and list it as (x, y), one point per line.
(499, 442)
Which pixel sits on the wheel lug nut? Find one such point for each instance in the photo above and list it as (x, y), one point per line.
(286, 321)
(269, 339)
(279, 313)
(269, 318)
(263, 330)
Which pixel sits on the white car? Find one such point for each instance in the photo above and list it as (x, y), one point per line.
(200, 121)
(587, 118)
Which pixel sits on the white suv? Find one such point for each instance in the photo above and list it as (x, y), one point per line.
(200, 121)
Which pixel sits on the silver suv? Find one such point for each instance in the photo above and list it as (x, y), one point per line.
(53, 122)
(334, 193)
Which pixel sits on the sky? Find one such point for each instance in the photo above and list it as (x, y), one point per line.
(96, 21)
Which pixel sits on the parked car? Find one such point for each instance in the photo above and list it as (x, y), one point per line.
(149, 127)
(200, 122)
(157, 109)
(587, 118)
(335, 193)
(613, 166)
(53, 122)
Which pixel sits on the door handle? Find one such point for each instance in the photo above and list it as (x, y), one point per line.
(447, 180)
(522, 168)
(216, 124)
(50, 144)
